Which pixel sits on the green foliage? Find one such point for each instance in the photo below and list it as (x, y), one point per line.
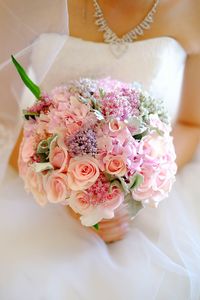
(28, 115)
(40, 167)
(137, 179)
(27, 81)
(98, 114)
(133, 206)
(96, 226)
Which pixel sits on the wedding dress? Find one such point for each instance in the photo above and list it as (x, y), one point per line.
(46, 254)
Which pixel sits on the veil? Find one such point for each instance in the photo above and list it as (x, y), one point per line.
(22, 24)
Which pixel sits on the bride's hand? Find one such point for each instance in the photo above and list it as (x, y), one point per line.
(113, 229)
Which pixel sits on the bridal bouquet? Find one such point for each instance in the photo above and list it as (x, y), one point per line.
(95, 144)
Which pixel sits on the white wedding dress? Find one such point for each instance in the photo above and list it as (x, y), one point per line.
(47, 255)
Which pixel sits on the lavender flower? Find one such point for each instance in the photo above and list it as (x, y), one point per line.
(83, 142)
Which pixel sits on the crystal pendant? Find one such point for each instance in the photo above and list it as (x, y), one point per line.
(118, 49)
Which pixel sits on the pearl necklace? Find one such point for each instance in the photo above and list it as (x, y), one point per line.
(119, 45)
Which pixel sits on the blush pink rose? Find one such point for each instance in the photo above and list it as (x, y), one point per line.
(114, 199)
(156, 185)
(116, 125)
(92, 214)
(58, 157)
(34, 183)
(80, 202)
(115, 165)
(157, 123)
(83, 171)
(56, 187)
(154, 145)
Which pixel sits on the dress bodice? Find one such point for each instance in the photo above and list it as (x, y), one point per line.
(157, 64)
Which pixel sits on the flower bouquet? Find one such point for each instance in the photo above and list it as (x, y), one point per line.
(102, 148)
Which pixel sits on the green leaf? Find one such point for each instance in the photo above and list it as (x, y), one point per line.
(133, 206)
(160, 132)
(94, 103)
(140, 135)
(83, 100)
(28, 115)
(102, 93)
(124, 185)
(51, 140)
(43, 157)
(40, 167)
(43, 147)
(137, 180)
(115, 183)
(96, 226)
(134, 122)
(98, 114)
(27, 81)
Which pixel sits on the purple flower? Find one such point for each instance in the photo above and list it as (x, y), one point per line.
(83, 142)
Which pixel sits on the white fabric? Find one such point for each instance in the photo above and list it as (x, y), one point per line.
(45, 254)
(21, 24)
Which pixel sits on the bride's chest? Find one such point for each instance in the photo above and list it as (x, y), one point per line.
(157, 64)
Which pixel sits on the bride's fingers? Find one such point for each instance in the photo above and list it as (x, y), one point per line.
(114, 233)
(116, 228)
(110, 230)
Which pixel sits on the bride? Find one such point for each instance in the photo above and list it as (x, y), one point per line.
(45, 253)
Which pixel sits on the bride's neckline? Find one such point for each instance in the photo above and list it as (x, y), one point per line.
(138, 42)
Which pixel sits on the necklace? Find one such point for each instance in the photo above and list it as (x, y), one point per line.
(119, 45)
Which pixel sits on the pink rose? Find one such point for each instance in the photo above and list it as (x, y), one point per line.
(104, 210)
(156, 185)
(56, 187)
(28, 148)
(114, 199)
(80, 202)
(157, 123)
(34, 183)
(155, 146)
(83, 171)
(58, 157)
(91, 213)
(116, 125)
(115, 165)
